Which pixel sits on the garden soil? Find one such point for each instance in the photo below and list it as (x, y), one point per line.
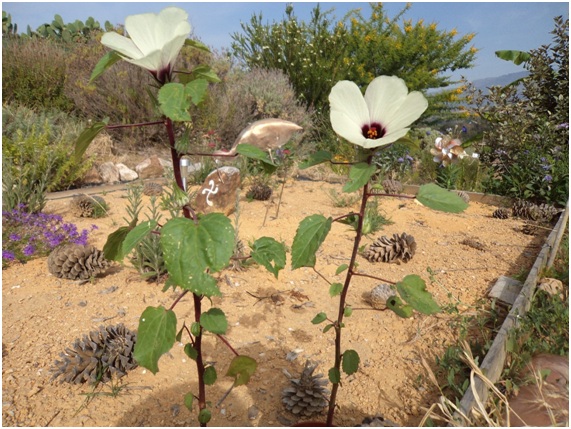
(269, 319)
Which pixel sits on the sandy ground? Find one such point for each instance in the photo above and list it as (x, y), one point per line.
(41, 315)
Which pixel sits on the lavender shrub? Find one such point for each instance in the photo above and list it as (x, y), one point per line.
(31, 235)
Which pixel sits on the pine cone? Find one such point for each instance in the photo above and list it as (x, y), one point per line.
(88, 206)
(152, 189)
(77, 262)
(392, 186)
(377, 298)
(236, 264)
(526, 210)
(530, 228)
(390, 250)
(548, 212)
(464, 195)
(98, 356)
(307, 395)
(501, 213)
(259, 192)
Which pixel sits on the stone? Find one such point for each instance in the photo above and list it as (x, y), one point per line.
(92, 177)
(150, 167)
(552, 287)
(125, 173)
(109, 173)
(218, 192)
(166, 163)
(506, 289)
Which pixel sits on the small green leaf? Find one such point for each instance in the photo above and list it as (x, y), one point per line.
(242, 368)
(310, 234)
(341, 268)
(321, 317)
(204, 416)
(328, 327)
(87, 136)
(348, 311)
(359, 176)
(112, 248)
(266, 250)
(350, 363)
(437, 198)
(399, 308)
(517, 57)
(199, 72)
(188, 399)
(254, 152)
(136, 235)
(195, 329)
(335, 289)
(413, 290)
(197, 45)
(334, 375)
(155, 336)
(104, 63)
(190, 351)
(179, 334)
(214, 321)
(315, 159)
(210, 375)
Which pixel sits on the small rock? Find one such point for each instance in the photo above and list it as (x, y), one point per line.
(109, 173)
(125, 173)
(110, 289)
(175, 409)
(150, 167)
(82, 303)
(218, 192)
(92, 177)
(552, 286)
(253, 412)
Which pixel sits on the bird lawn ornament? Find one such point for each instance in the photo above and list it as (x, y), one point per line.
(266, 134)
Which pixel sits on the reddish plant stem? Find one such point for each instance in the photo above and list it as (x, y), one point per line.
(142, 124)
(378, 194)
(225, 341)
(343, 297)
(373, 277)
(322, 276)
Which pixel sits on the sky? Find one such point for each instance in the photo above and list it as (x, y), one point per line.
(520, 26)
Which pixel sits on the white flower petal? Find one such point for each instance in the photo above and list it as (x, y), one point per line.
(410, 110)
(121, 44)
(348, 111)
(383, 96)
(346, 128)
(386, 139)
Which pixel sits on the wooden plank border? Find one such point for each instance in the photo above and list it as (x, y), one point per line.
(494, 361)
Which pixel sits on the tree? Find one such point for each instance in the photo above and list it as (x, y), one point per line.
(317, 54)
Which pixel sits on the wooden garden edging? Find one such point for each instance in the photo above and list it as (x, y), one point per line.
(493, 363)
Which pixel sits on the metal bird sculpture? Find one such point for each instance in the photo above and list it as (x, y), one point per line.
(266, 134)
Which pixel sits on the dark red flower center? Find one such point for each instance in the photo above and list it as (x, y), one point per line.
(373, 131)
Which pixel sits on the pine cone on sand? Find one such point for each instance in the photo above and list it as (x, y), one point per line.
(97, 356)
(377, 298)
(530, 228)
(501, 213)
(384, 249)
(152, 189)
(88, 206)
(259, 192)
(464, 195)
(526, 210)
(77, 262)
(392, 186)
(307, 395)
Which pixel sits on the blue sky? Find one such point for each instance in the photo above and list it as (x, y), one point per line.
(521, 26)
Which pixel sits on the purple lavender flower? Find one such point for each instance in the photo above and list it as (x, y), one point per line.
(15, 237)
(409, 158)
(464, 129)
(547, 178)
(28, 250)
(8, 255)
(563, 125)
(400, 160)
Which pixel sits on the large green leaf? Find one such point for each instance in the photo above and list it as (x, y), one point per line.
(155, 336)
(242, 368)
(196, 90)
(413, 290)
(174, 101)
(316, 158)
(190, 248)
(200, 72)
(136, 235)
(359, 176)
(311, 232)
(266, 250)
(214, 320)
(350, 363)
(401, 309)
(437, 198)
(254, 152)
(87, 136)
(104, 63)
(517, 57)
(114, 244)
(197, 45)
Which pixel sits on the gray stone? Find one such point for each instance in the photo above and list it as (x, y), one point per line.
(218, 192)
(506, 289)
(109, 173)
(125, 173)
(150, 167)
(92, 177)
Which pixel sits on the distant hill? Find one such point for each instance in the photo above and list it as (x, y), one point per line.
(503, 80)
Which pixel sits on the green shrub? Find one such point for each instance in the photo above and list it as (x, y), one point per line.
(37, 156)
(34, 73)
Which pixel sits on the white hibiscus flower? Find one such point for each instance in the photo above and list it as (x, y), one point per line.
(379, 118)
(154, 41)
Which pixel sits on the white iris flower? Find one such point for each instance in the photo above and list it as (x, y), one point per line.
(155, 40)
(378, 119)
